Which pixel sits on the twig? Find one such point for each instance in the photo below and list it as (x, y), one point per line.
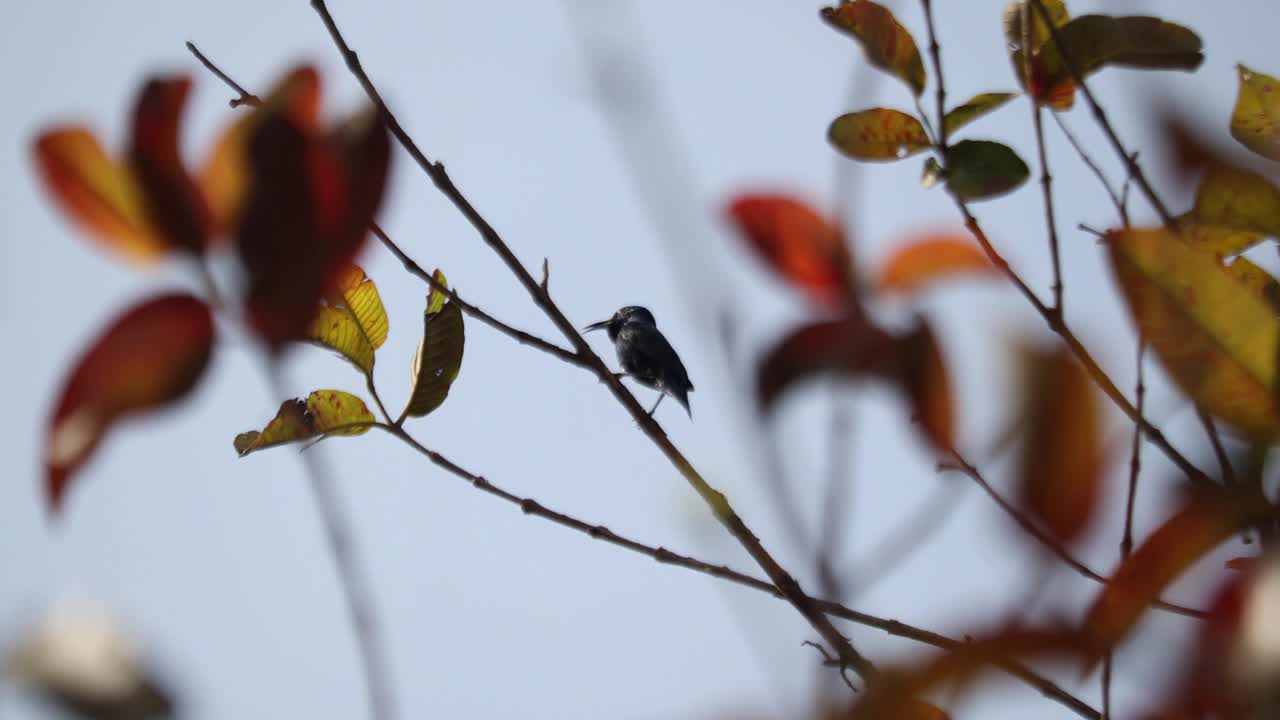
(716, 500)
(1135, 455)
(532, 507)
(935, 51)
(1048, 541)
(1224, 462)
(1046, 179)
(1116, 199)
(1131, 162)
(830, 661)
(246, 97)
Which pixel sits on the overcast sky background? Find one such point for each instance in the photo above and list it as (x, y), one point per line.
(219, 562)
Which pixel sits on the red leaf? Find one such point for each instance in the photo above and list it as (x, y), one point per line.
(148, 358)
(845, 346)
(797, 243)
(922, 375)
(174, 203)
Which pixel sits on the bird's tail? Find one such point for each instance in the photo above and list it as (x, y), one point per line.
(682, 396)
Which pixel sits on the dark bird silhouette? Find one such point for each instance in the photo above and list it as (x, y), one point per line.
(646, 355)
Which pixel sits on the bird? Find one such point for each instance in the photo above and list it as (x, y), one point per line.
(645, 354)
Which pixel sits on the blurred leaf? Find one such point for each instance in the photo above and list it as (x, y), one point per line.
(98, 193)
(323, 414)
(1216, 338)
(981, 169)
(877, 134)
(1063, 460)
(437, 360)
(922, 375)
(148, 358)
(849, 346)
(173, 201)
(1015, 38)
(1096, 41)
(1201, 525)
(1241, 563)
(1238, 200)
(888, 45)
(352, 320)
(225, 175)
(974, 108)
(1255, 121)
(797, 243)
(926, 260)
(308, 213)
(1257, 281)
(1222, 241)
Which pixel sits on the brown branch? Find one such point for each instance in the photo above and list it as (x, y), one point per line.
(1135, 171)
(246, 97)
(532, 507)
(716, 500)
(1135, 455)
(935, 52)
(1051, 544)
(1224, 462)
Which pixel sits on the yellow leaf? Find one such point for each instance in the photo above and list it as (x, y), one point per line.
(1257, 281)
(352, 320)
(974, 108)
(1255, 122)
(437, 360)
(1238, 200)
(1217, 338)
(435, 299)
(889, 46)
(324, 413)
(1223, 241)
(877, 134)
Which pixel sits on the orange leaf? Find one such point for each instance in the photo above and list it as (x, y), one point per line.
(174, 203)
(148, 358)
(1062, 459)
(97, 192)
(888, 44)
(800, 245)
(924, 260)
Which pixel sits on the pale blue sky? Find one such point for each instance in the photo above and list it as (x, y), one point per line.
(219, 562)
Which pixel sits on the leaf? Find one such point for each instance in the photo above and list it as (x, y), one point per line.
(877, 134)
(1063, 458)
(1255, 121)
(848, 346)
(1222, 241)
(974, 108)
(1200, 526)
(225, 174)
(173, 201)
(928, 259)
(803, 247)
(1096, 41)
(323, 414)
(436, 298)
(982, 169)
(97, 192)
(352, 321)
(437, 360)
(888, 45)
(1257, 281)
(1237, 200)
(148, 358)
(1023, 44)
(313, 197)
(921, 372)
(1216, 338)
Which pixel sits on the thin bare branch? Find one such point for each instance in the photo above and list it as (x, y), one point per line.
(1135, 455)
(716, 500)
(245, 98)
(1116, 199)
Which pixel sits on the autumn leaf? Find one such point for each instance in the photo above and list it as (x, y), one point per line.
(877, 134)
(438, 358)
(150, 357)
(1201, 525)
(925, 260)
(1257, 281)
(97, 192)
(974, 108)
(324, 413)
(174, 203)
(1255, 121)
(888, 45)
(921, 372)
(352, 320)
(848, 346)
(1240, 201)
(797, 243)
(1063, 462)
(982, 169)
(1023, 44)
(1223, 241)
(1215, 336)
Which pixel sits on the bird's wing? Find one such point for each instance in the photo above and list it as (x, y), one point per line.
(655, 352)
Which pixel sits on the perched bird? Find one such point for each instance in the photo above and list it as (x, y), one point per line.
(646, 355)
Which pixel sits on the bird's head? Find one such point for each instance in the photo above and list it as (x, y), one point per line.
(628, 314)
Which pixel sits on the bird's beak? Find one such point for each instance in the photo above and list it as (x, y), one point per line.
(596, 326)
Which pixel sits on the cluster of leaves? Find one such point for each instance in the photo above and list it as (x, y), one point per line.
(296, 199)
(1211, 316)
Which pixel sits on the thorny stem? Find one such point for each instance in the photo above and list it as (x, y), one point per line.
(529, 506)
(716, 500)
(963, 465)
(1135, 171)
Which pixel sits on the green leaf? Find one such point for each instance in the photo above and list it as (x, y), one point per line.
(351, 319)
(324, 413)
(974, 108)
(889, 46)
(1215, 335)
(878, 134)
(437, 360)
(436, 298)
(1255, 122)
(982, 169)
